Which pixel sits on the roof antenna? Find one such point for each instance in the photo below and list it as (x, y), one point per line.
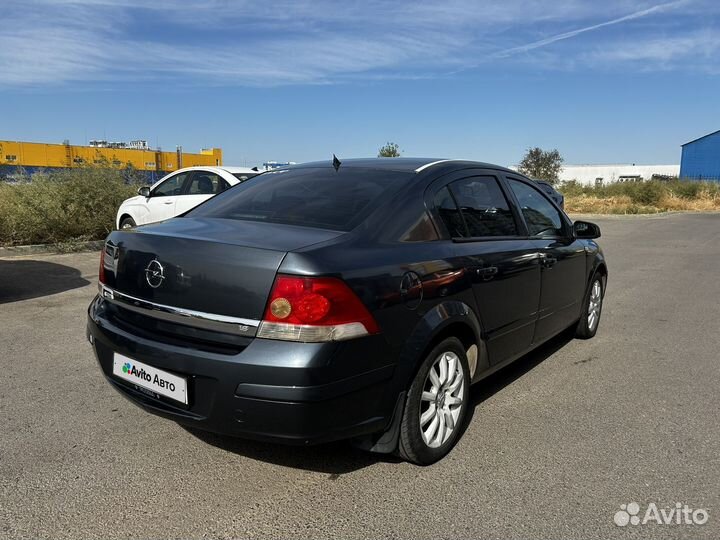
(336, 162)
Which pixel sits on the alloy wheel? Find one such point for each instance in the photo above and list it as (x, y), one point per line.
(594, 305)
(442, 399)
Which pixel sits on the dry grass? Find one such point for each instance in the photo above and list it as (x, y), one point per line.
(642, 197)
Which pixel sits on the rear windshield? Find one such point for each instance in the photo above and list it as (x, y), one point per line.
(321, 198)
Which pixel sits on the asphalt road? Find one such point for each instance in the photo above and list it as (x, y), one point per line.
(557, 442)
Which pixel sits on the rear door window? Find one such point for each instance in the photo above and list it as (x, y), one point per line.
(484, 207)
(450, 214)
(312, 197)
(206, 183)
(475, 207)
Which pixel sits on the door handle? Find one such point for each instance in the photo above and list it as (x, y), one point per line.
(168, 202)
(486, 273)
(548, 261)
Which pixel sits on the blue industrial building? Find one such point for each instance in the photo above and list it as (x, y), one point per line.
(701, 158)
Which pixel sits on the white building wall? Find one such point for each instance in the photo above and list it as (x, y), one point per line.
(587, 174)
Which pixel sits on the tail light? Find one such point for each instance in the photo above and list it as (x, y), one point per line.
(310, 309)
(101, 273)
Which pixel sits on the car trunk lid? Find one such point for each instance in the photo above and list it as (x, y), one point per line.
(202, 266)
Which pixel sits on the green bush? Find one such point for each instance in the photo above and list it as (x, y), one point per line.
(63, 206)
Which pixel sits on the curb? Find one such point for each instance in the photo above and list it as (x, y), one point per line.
(51, 249)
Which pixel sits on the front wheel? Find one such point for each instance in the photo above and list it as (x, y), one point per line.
(127, 223)
(590, 319)
(436, 404)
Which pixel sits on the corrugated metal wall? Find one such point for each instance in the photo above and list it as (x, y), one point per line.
(701, 158)
(40, 155)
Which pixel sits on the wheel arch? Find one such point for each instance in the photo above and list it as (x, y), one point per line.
(451, 318)
(446, 319)
(122, 216)
(600, 268)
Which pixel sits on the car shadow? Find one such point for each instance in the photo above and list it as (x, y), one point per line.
(25, 279)
(509, 374)
(334, 459)
(341, 457)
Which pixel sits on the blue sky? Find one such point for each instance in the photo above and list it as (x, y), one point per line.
(604, 82)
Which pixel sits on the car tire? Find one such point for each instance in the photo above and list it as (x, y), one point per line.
(445, 368)
(592, 309)
(127, 223)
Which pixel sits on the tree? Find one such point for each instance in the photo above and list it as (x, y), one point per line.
(389, 150)
(541, 164)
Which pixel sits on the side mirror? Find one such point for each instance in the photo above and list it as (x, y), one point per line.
(144, 191)
(585, 229)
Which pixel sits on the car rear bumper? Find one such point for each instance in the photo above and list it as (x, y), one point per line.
(295, 393)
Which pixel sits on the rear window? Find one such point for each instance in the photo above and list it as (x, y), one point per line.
(320, 198)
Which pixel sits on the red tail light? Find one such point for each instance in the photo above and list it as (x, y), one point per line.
(314, 309)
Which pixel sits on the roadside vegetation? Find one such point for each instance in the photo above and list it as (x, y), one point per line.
(641, 197)
(542, 165)
(63, 207)
(72, 206)
(389, 149)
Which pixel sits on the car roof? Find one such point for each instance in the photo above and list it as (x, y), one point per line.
(400, 164)
(231, 170)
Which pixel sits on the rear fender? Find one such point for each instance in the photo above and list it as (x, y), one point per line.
(441, 321)
(435, 323)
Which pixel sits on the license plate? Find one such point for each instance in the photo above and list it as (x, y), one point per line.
(151, 378)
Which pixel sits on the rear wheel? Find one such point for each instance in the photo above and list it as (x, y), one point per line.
(590, 319)
(127, 223)
(436, 404)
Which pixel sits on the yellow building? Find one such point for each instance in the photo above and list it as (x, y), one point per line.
(36, 156)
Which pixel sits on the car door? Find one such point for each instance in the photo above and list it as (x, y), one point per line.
(199, 188)
(490, 245)
(562, 257)
(162, 200)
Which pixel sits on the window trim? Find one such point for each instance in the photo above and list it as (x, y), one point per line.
(444, 182)
(567, 225)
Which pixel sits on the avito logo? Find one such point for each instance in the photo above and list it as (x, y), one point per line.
(129, 369)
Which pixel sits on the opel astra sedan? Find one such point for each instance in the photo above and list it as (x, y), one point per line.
(355, 300)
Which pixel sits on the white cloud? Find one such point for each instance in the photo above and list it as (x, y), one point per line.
(660, 8)
(247, 42)
(696, 50)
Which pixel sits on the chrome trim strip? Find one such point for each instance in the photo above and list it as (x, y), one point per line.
(422, 168)
(188, 317)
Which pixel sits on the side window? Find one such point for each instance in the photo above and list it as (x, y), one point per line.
(171, 186)
(206, 183)
(450, 214)
(541, 217)
(484, 207)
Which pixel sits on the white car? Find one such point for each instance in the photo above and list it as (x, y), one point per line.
(177, 193)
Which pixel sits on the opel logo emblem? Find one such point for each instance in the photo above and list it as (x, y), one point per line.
(154, 274)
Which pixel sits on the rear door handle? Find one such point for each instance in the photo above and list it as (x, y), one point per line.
(487, 272)
(168, 202)
(548, 261)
